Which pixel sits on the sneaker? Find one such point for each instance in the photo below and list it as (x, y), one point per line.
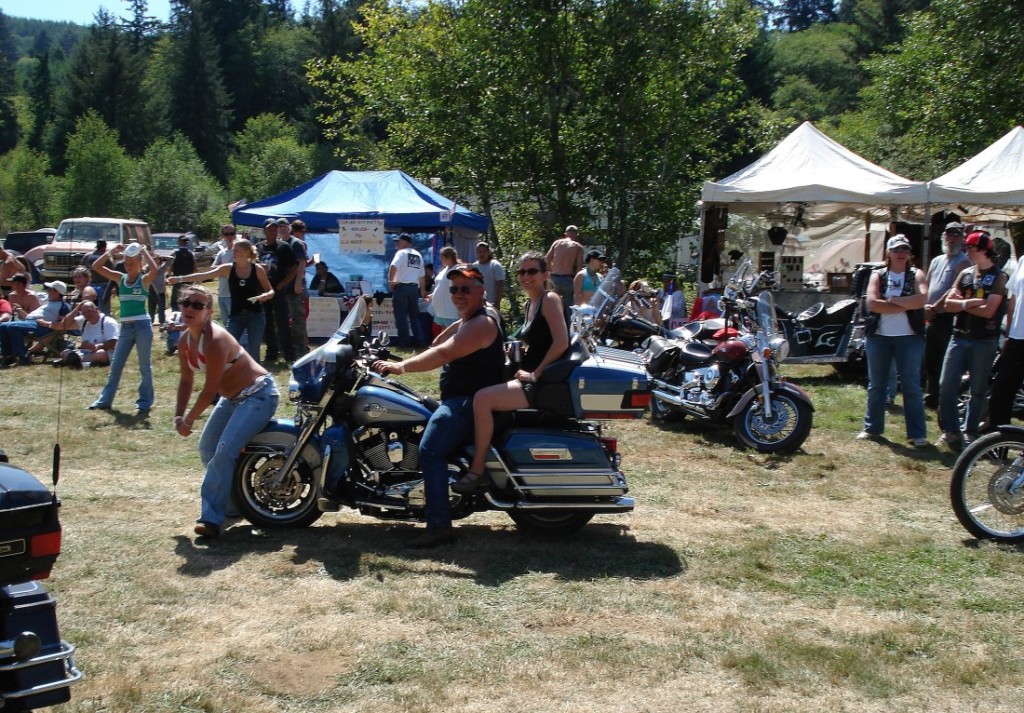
(97, 406)
(920, 442)
(865, 436)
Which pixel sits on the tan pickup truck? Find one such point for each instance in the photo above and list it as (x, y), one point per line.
(76, 238)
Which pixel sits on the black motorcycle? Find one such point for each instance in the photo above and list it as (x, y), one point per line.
(735, 381)
(355, 443)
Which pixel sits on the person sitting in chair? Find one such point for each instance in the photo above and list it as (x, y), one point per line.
(38, 323)
(99, 336)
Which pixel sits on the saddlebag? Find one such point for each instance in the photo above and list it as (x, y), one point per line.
(605, 389)
(560, 464)
(661, 353)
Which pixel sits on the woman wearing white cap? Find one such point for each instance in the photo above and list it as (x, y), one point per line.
(896, 297)
(136, 326)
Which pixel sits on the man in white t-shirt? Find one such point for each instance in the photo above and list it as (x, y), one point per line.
(1010, 376)
(406, 281)
(493, 272)
(99, 336)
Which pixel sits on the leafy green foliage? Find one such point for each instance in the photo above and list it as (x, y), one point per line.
(268, 159)
(30, 195)
(98, 169)
(947, 91)
(171, 189)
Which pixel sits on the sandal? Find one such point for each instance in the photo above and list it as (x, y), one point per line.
(470, 483)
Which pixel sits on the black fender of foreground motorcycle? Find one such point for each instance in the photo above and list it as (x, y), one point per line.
(789, 388)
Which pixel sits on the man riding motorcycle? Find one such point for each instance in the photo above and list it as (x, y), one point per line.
(471, 354)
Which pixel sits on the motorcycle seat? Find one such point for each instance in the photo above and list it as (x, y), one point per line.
(559, 370)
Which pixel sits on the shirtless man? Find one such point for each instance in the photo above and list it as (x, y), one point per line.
(565, 258)
(9, 267)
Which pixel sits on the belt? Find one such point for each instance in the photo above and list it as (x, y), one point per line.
(408, 284)
(252, 388)
(557, 274)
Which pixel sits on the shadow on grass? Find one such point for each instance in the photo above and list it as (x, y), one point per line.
(487, 555)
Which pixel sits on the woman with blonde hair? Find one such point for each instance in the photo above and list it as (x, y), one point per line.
(445, 313)
(249, 287)
(248, 401)
(136, 328)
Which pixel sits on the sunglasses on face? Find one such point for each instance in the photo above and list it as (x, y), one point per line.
(193, 305)
(900, 250)
(527, 271)
(464, 289)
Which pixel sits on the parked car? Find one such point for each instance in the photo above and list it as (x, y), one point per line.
(76, 238)
(164, 244)
(36, 665)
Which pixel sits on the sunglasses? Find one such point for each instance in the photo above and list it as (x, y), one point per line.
(527, 271)
(193, 305)
(231, 233)
(900, 250)
(464, 289)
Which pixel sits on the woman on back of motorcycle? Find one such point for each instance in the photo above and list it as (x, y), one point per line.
(545, 336)
(896, 297)
(248, 401)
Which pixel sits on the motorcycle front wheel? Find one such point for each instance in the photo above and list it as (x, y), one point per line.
(784, 432)
(987, 489)
(290, 503)
(550, 523)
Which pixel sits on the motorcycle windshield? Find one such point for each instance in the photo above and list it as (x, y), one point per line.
(766, 315)
(607, 294)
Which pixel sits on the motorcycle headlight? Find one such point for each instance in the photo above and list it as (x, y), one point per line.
(780, 348)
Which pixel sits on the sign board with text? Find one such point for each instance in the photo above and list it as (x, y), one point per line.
(361, 236)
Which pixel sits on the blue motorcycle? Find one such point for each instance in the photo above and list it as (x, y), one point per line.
(354, 443)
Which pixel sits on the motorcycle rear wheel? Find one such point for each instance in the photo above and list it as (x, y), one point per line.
(786, 431)
(291, 504)
(980, 490)
(550, 523)
(661, 411)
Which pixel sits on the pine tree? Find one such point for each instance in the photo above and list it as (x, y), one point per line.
(8, 115)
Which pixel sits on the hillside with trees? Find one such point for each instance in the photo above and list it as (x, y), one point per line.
(609, 113)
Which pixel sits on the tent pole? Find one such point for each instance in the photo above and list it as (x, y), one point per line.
(700, 249)
(867, 236)
(926, 242)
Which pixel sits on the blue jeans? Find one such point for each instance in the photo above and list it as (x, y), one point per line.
(449, 428)
(135, 333)
(908, 353)
(965, 354)
(406, 301)
(255, 323)
(563, 286)
(231, 425)
(224, 304)
(12, 336)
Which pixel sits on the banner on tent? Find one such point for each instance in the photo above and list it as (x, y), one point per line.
(361, 236)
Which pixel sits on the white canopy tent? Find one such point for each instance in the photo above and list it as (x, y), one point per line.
(810, 181)
(823, 177)
(989, 186)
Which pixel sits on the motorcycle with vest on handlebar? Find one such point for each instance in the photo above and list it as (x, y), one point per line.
(354, 442)
(736, 381)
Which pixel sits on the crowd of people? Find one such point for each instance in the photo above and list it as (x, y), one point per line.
(938, 326)
(934, 326)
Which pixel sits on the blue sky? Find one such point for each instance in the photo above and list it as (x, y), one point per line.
(78, 11)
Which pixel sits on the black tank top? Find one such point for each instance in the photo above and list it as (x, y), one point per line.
(484, 367)
(536, 335)
(242, 289)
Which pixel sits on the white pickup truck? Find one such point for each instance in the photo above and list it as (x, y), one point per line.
(76, 238)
